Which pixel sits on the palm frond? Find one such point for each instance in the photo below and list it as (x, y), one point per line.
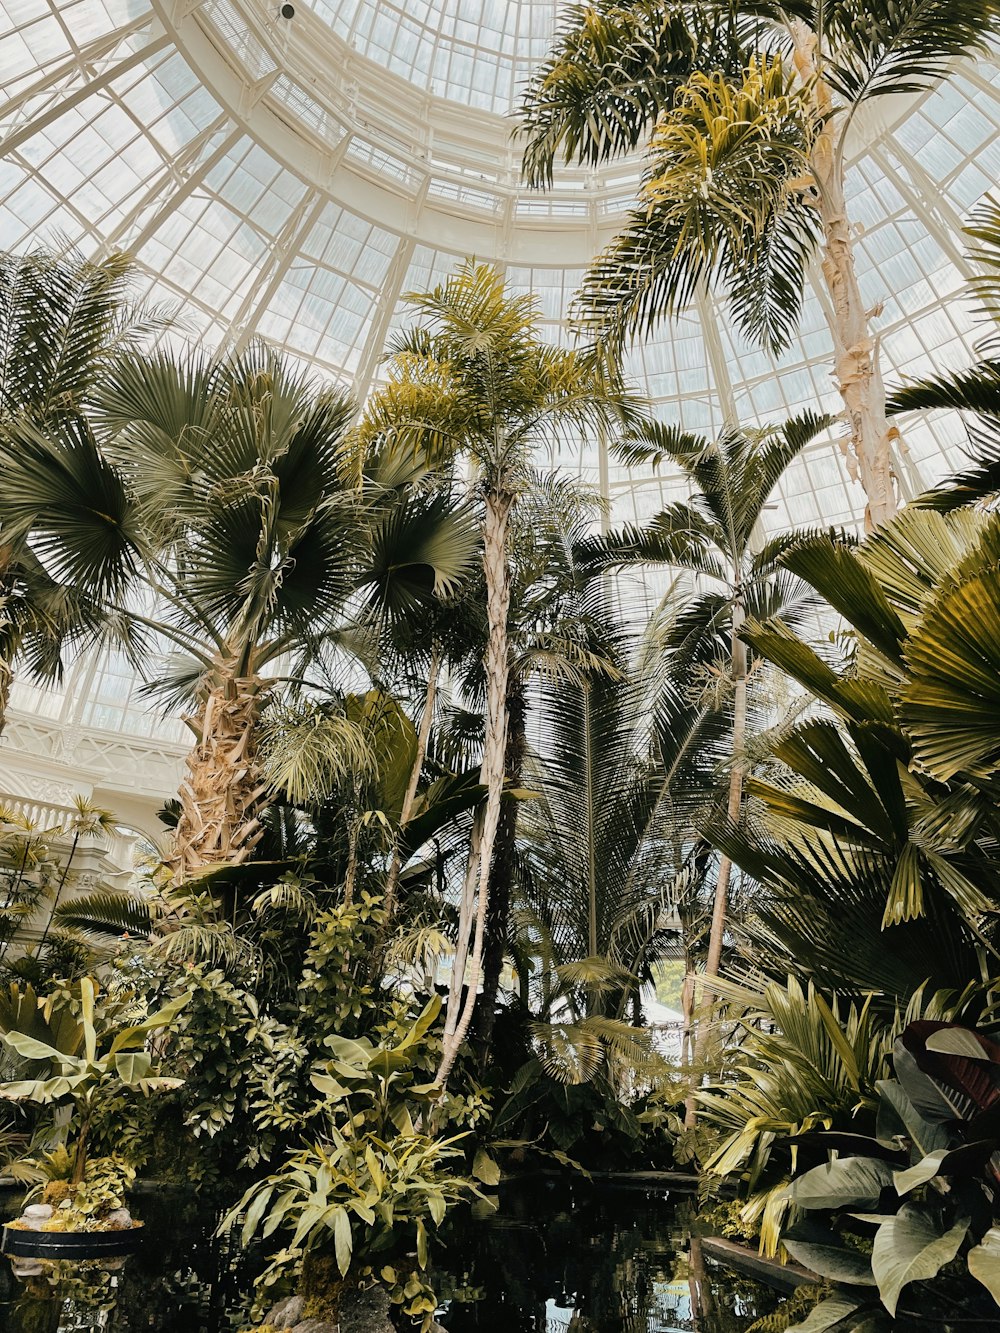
(719, 200)
(107, 913)
(307, 752)
(63, 320)
(612, 70)
(59, 488)
(976, 389)
(681, 536)
(903, 46)
(951, 704)
(657, 442)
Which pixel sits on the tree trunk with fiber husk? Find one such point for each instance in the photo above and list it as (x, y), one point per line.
(720, 905)
(502, 871)
(467, 968)
(857, 368)
(222, 792)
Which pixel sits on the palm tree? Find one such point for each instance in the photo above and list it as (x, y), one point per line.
(601, 864)
(561, 629)
(213, 514)
(714, 536)
(87, 820)
(880, 825)
(745, 109)
(62, 320)
(475, 381)
(563, 634)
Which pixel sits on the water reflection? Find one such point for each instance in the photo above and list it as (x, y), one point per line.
(65, 1296)
(574, 1258)
(558, 1257)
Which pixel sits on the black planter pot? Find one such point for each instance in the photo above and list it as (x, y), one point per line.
(70, 1244)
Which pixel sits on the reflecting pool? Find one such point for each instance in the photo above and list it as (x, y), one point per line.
(556, 1257)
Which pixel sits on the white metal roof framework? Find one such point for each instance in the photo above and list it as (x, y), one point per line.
(294, 178)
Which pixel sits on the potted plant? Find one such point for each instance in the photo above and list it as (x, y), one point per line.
(82, 1213)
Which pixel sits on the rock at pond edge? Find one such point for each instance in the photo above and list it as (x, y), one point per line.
(287, 1313)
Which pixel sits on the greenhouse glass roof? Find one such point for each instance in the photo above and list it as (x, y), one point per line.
(293, 178)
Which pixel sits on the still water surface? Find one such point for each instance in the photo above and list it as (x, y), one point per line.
(557, 1257)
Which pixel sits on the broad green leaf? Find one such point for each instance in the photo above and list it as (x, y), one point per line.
(898, 1115)
(401, 1118)
(484, 1168)
(375, 1167)
(957, 1041)
(827, 1314)
(424, 1023)
(821, 1250)
(277, 1213)
(421, 1244)
(30, 1090)
(920, 1173)
(356, 1054)
(309, 1218)
(132, 1066)
(384, 1063)
(147, 1085)
(984, 1262)
(425, 1092)
(932, 1098)
(254, 1213)
(137, 1034)
(331, 1087)
(910, 1248)
(32, 1049)
(342, 1239)
(848, 1182)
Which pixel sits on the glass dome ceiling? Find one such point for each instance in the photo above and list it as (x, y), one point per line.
(294, 178)
(476, 51)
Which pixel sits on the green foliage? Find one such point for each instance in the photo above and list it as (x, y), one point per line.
(924, 1181)
(800, 1303)
(372, 1181)
(856, 833)
(729, 193)
(63, 320)
(725, 196)
(798, 1063)
(356, 1195)
(98, 1056)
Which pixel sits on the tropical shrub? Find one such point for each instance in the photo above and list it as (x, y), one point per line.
(89, 1060)
(798, 1062)
(376, 1175)
(925, 1181)
(362, 1197)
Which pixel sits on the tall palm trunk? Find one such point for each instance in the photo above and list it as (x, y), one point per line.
(720, 905)
(502, 870)
(221, 792)
(8, 637)
(6, 685)
(467, 967)
(857, 367)
(410, 796)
